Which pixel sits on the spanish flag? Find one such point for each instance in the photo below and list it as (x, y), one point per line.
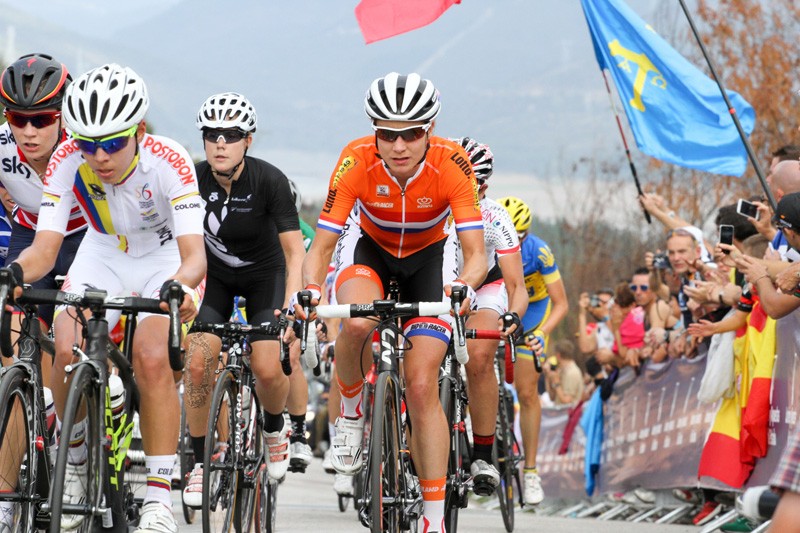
(739, 434)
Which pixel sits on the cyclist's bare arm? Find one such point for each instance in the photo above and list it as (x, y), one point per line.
(294, 251)
(40, 257)
(315, 265)
(475, 267)
(511, 268)
(558, 295)
(191, 272)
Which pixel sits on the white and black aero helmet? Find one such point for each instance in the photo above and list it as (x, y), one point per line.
(480, 156)
(402, 97)
(227, 111)
(104, 101)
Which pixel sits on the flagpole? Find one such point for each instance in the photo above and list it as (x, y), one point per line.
(625, 144)
(750, 154)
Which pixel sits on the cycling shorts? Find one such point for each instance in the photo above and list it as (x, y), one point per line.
(420, 276)
(534, 317)
(263, 290)
(493, 296)
(21, 238)
(98, 265)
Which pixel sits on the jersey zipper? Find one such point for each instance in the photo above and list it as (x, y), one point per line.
(402, 222)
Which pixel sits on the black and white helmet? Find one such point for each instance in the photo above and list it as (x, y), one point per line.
(480, 156)
(407, 98)
(227, 111)
(104, 101)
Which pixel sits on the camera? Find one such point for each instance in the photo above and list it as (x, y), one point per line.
(594, 301)
(661, 261)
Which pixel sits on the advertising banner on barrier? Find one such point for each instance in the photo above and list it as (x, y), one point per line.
(655, 427)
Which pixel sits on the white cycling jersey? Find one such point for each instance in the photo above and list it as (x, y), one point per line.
(25, 186)
(499, 234)
(156, 201)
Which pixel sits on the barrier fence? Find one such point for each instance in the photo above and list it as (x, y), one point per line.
(655, 428)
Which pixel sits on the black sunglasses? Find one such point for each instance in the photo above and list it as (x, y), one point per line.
(38, 121)
(227, 136)
(408, 134)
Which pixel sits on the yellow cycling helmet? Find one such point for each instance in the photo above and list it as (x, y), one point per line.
(519, 211)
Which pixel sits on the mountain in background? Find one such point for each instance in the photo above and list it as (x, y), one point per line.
(519, 75)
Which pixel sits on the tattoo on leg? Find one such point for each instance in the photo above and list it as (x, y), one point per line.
(197, 393)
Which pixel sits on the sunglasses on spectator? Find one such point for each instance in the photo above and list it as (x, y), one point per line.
(408, 135)
(110, 145)
(38, 121)
(643, 288)
(226, 136)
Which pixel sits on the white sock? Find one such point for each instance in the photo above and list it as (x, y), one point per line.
(78, 452)
(331, 430)
(159, 479)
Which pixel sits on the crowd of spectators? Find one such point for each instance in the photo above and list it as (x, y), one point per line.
(681, 297)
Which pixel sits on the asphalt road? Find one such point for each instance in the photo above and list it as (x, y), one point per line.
(307, 502)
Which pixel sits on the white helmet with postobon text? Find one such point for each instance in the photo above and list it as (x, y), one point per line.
(104, 101)
(406, 98)
(227, 111)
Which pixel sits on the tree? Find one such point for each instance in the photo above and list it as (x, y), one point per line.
(754, 48)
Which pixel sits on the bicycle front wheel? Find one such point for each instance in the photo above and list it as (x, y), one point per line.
(187, 459)
(266, 502)
(19, 459)
(384, 479)
(251, 459)
(77, 491)
(503, 456)
(220, 472)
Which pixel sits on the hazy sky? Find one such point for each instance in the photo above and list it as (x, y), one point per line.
(517, 74)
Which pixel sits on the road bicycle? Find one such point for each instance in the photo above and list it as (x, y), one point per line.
(109, 504)
(25, 438)
(237, 491)
(506, 452)
(391, 499)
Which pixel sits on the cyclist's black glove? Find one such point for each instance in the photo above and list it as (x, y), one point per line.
(163, 294)
(512, 319)
(16, 274)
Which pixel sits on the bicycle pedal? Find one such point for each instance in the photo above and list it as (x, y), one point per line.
(295, 465)
(483, 489)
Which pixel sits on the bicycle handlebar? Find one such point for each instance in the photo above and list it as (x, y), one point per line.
(268, 329)
(393, 308)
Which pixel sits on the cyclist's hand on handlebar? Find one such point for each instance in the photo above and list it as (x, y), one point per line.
(289, 336)
(469, 302)
(187, 309)
(535, 342)
(310, 294)
(13, 274)
(511, 326)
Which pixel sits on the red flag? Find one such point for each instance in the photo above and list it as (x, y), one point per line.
(380, 19)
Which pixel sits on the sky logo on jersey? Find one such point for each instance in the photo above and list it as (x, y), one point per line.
(382, 190)
(15, 166)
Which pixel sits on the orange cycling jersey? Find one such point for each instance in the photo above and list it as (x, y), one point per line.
(403, 220)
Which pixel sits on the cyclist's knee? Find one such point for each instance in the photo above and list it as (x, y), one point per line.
(420, 392)
(480, 365)
(529, 397)
(357, 329)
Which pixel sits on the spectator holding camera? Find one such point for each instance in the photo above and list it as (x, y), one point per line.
(595, 337)
(564, 379)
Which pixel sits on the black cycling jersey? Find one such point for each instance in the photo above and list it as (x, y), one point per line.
(241, 230)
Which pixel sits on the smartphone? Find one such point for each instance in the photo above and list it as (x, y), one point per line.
(726, 235)
(748, 209)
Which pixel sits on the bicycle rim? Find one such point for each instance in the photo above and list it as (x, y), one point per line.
(220, 475)
(384, 482)
(19, 459)
(452, 501)
(503, 457)
(83, 402)
(266, 502)
(251, 463)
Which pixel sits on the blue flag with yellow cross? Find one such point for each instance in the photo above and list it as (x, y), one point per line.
(676, 112)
